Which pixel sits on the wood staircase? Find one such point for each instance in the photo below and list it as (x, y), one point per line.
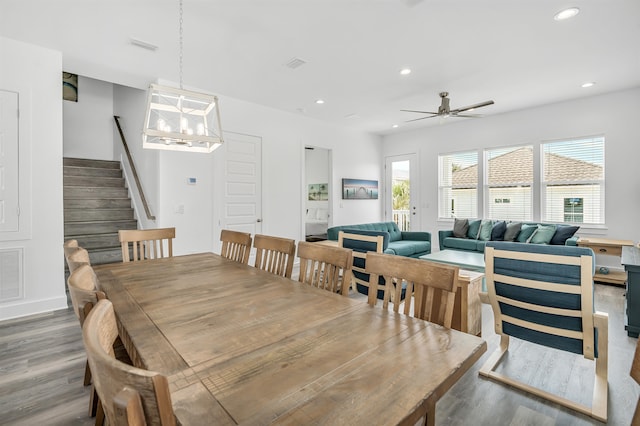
(96, 206)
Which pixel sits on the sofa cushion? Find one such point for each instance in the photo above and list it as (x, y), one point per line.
(543, 234)
(512, 231)
(563, 233)
(474, 229)
(460, 228)
(460, 243)
(408, 247)
(485, 230)
(526, 231)
(498, 230)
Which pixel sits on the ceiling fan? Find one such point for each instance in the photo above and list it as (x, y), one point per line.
(445, 111)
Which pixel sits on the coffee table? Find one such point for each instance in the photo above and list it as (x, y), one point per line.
(471, 287)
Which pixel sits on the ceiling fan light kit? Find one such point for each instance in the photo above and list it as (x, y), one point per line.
(444, 110)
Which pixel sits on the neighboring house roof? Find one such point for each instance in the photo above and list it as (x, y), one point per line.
(517, 166)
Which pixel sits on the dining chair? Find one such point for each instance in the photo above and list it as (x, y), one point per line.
(146, 243)
(274, 254)
(77, 257)
(235, 245)
(325, 267)
(363, 242)
(129, 395)
(432, 285)
(635, 375)
(544, 294)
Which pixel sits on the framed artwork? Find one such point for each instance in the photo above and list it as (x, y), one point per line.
(69, 86)
(359, 189)
(318, 192)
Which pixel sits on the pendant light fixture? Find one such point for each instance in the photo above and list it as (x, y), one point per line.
(181, 120)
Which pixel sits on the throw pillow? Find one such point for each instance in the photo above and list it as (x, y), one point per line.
(498, 230)
(563, 233)
(512, 231)
(543, 234)
(474, 229)
(525, 232)
(460, 228)
(485, 230)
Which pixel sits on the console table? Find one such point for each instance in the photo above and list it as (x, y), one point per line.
(609, 247)
(631, 261)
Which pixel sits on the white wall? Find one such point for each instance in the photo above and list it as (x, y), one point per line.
(284, 137)
(36, 74)
(615, 115)
(88, 123)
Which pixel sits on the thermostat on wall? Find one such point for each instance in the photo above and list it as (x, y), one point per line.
(191, 181)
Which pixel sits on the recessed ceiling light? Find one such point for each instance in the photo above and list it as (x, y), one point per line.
(588, 84)
(395, 126)
(319, 101)
(405, 71)
(566, 14)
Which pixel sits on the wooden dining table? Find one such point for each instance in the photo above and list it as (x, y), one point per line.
(242, 346)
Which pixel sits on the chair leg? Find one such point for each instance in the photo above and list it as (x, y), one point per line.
(87, 375)
(495, 357)
(94, 402)
(601, 386)
(99, 415)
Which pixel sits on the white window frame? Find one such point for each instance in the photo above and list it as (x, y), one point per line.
(442, 186)
(601, 182)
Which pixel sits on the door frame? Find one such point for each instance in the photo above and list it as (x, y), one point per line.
(303, 188)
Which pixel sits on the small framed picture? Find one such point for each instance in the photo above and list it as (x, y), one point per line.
(359, 189)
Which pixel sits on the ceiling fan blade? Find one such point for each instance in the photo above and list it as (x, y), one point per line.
(421, 118)
(467, 108)
(420, 112)
(467, 115)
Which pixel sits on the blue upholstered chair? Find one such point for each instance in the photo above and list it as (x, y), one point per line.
(544, 294)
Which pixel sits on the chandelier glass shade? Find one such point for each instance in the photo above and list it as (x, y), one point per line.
(181, 120)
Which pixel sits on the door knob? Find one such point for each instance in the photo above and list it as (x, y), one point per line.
(258, 220)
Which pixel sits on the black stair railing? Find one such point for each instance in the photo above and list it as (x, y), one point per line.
(133, 170)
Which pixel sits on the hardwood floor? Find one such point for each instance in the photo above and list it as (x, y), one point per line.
(42, 365)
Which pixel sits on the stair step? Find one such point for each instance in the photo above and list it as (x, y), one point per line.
(102, 256)
(97, 227)
(97, 203)
(91, 171)
(83, 162)
(97, 241)
(88, 181)
(85, 214)
(78, 192)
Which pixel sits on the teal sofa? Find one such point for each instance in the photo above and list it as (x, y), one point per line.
(401, 243)
(563, 235)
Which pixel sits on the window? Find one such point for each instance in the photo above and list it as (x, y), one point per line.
(509, 182)
(573, 181)
(458, 185)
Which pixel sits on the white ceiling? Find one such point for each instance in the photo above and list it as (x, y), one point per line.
(512, 52)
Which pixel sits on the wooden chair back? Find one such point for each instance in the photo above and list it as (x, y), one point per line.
(325, 267)
(433, 285)
(77, 257)
(69, 246)
(361, 244)
(235, 245)
(129, 395)
(275, 254)
(146, 243)
(544, 294)
(83, 290)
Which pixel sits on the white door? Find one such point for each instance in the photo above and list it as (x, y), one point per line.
(401, 193)
(9, 161)
(241, 198)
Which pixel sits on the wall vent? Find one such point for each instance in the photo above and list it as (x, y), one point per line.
(11, 285)
(295, 63)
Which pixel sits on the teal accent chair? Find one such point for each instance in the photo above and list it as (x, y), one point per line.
(544, 294)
